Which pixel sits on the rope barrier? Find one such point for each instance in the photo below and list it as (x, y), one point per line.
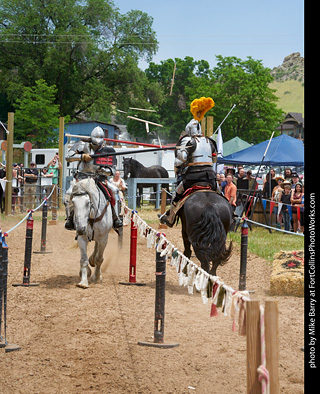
(32, 210)
(272, 228)
(190, 274)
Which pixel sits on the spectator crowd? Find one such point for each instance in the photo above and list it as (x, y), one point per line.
(29, 185)
(284, 192)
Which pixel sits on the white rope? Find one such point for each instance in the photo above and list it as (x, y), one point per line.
(31, 211)
(195, 276)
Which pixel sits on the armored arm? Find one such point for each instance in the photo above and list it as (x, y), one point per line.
(76, 151)
(186, 146)
(214, 149)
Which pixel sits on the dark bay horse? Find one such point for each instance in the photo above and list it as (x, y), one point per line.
(138, 170)
(206, 219)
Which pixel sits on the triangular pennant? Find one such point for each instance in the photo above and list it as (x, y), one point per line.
(264, 203)
(271, 206)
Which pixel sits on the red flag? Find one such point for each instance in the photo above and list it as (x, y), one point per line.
(271, 206)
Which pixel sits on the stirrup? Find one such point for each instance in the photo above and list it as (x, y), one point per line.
(164, 219)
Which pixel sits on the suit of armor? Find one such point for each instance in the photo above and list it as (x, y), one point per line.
(91, 167)
(195, 156)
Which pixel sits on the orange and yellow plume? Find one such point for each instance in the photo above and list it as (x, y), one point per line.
(200, 106)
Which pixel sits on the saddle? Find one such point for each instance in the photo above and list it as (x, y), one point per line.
(107, 193)
(198, 188)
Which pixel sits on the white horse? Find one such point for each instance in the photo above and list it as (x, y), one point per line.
(93, 221)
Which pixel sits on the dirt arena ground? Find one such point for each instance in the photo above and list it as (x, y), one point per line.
(85, 341)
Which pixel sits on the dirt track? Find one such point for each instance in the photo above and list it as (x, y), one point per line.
(77, 341)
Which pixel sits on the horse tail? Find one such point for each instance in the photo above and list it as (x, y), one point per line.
(208, 238)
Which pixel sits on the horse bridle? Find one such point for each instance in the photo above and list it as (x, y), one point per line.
(96, 219)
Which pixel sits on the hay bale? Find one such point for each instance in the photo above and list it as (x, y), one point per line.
(287, 277)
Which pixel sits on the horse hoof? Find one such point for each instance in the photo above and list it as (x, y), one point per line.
(95, 279)
(82, 285)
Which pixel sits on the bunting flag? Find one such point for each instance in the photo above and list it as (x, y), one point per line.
(279, 209)
(290, 211)
(264, 203)
(298, 213)
(271, 207)
(192, 276)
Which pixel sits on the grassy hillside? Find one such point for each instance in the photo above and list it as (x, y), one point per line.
(291, 95)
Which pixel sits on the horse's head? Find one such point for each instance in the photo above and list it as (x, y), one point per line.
(126, 161)
(82, 205)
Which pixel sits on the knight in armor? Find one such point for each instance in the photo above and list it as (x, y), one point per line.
(97, 168)
(195, 156)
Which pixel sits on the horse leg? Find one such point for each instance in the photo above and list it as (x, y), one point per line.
(215, 265)
(99, 248)
(186, 242)
(85, 271)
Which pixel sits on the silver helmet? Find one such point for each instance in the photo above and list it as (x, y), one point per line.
(193, 128)
(97, 136)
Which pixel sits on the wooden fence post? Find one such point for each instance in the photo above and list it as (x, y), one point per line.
(253, 347)
(272, 344)
(163, 207)
(9, 162)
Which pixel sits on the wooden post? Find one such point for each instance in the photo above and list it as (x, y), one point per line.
(203, 126)
(9, 162)
(253, 347)
(209, 126)
(163, 206)
(272, 344)
(61, 143)
(172, 82)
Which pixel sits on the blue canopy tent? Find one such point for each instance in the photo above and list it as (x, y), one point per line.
(283, 151)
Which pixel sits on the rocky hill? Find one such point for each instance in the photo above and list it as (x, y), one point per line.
(291, 68)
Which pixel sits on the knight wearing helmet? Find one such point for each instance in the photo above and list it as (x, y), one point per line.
(195, 156)
(97, 168)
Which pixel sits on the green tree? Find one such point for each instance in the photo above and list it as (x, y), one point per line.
(36, 116)
(86, 48)
(174, 109)
(246, 84)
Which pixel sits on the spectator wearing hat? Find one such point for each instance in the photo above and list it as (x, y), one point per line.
(31, 178)
(231, 171)
(296, 200)
(295, 179)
